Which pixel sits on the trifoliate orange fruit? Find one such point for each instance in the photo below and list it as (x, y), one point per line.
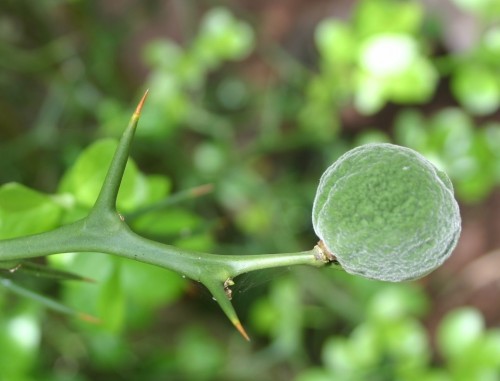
(385, 212)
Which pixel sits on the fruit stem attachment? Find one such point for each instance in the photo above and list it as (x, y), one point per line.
(324, 254)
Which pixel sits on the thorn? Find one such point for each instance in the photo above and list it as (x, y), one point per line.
(89, 318)
(220, 296)
(227, 288)
(241, 330)
(15, 268)
(202, 190)
(138, 110)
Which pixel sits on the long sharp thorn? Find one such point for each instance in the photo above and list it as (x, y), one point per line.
(219, 293)
(109, 191)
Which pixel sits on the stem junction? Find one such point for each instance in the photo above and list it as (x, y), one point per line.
(104, 230)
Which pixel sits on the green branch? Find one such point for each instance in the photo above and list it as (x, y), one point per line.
(105, 231)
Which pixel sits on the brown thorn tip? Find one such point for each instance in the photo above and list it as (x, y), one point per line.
(202, 190)
(138, 110)
(89, 318)
(241, 330)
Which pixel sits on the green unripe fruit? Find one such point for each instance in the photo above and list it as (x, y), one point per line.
(385, 212)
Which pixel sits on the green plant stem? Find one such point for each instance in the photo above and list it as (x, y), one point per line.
(104, 231)
(112, 236)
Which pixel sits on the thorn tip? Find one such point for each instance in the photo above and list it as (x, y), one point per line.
(241, 330)
(89, 318)
(138, 109)
(202, 190)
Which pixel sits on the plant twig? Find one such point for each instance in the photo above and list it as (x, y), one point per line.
(105, 231)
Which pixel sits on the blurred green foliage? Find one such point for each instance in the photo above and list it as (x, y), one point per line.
(263, 145)
(391, 344)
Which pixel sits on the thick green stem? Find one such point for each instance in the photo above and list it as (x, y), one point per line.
(246, 263)
(60, 240)
(112, 236)
(105, 231)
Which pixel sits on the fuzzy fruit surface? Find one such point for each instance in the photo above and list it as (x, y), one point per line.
(386, 213)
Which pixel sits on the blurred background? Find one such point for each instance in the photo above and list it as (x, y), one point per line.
(256, 99)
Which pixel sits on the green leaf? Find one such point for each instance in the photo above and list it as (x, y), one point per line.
(198, 355)
(370, 94)
(335, 42)
(394, 303)
(280, 315)
(491, 135)
(167, 103)
(485, 8)
(165, 223)
(222, 37)
(264, 316)
(436, 375)
(20, 342)
(24, 211)
(112, 299)
(143, 287)
(364, 343)
(459, 332)
(477, 89)
(393, 69)
(410, 130)
(92, 265)
(467, 155)
(478, 177)
(490, 349)
(407, 342)
(490, 44)
(318, 116)
(314, 374)
(147, 288)
(416, 85)
(372, 136)
(372, 17)
(85, 178)
(451, 133)
(388, 54)
(203, 242)
(340, 357)
(163, 54)
(157, 188)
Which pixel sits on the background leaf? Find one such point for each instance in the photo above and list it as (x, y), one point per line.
(24, 211)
